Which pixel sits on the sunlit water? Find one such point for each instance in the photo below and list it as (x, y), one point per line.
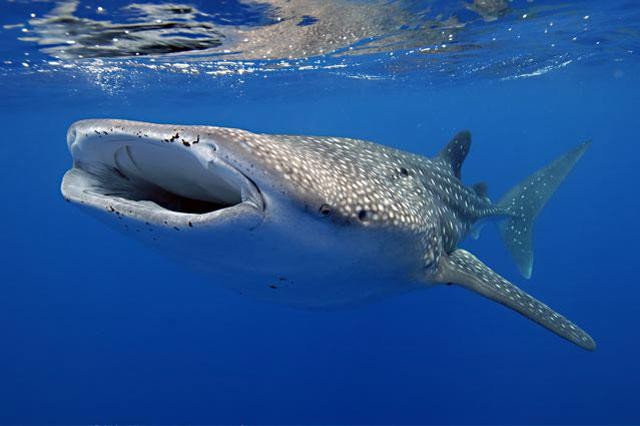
(96, 328)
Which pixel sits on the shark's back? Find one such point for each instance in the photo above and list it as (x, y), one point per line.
(383, 186)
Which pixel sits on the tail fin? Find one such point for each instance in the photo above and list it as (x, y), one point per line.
(524, 201)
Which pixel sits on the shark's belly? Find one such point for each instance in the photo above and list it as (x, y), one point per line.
(315, 291)
(310, 272)
(309, 278)
(300, 264)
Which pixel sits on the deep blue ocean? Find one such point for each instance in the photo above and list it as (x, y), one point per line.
(96, 327)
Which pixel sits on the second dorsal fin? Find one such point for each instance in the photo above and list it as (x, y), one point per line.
(456, 151)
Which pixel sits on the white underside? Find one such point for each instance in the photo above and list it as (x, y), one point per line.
(273, 263)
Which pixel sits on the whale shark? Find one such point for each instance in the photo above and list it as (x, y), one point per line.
(310, 221)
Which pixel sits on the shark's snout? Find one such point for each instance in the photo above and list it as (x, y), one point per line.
(158, 174)
(71, 135)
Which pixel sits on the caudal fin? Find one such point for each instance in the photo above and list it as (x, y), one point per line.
(523, 202)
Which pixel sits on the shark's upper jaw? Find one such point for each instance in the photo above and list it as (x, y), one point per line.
(159, 174)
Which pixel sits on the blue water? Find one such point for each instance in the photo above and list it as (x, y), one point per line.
(97, 328)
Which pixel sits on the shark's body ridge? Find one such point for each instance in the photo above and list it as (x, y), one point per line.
(311, 221)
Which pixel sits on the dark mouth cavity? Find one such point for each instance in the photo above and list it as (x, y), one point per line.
(116, 183)
(171, 180)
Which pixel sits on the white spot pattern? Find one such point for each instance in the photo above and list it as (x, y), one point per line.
(367, 184)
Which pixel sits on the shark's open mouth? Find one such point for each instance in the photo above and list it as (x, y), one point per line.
(154, 176)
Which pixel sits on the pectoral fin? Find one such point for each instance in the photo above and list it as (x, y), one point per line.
(463, 268)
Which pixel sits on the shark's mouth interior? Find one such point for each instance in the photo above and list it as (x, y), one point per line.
(145, 191)
(184, 193)
(170, 178)
(153, 179)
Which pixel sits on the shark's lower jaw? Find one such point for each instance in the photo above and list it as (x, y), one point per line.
(145, 175)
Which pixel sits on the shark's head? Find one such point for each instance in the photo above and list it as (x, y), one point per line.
(234, 199)
(161, 175)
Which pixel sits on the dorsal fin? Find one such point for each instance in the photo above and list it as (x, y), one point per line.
(481, 189)
(456, 151)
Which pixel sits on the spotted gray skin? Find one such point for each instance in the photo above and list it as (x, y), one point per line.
(309, 221)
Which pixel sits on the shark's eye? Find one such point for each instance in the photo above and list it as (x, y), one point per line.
(325, 210)
(365, 215)
(403, 172)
